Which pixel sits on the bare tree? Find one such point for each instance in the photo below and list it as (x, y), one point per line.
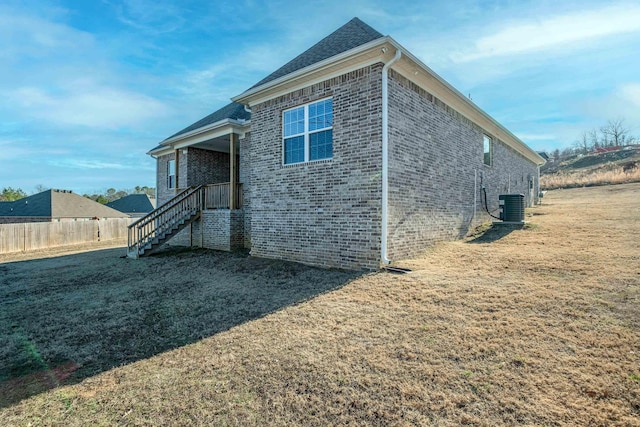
(582, 144)
(616, 132)
(40, 188)
(594, 140)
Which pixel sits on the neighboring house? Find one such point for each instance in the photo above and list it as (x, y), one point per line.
(351, 155)
(544, 155)
(55, 205)
(601, 150)
(134, 205)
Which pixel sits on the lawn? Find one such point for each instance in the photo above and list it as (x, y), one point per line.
(531, 326)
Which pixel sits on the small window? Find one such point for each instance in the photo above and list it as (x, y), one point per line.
(171, 174)
(308, 132)
(487, 150)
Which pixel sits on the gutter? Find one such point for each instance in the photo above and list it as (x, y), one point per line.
(385, 155)
(524, 148)
(344, 56)
(204, 129)
(168, 143)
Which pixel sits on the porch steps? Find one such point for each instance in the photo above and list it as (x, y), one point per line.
(164, 222)
(158, 241)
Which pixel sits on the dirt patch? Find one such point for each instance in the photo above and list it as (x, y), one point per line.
(537, 327)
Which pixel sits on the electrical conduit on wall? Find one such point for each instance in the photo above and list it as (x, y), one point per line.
(385, 155)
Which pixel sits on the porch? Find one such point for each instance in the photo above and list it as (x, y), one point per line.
(208, 216)
(219, 196)
(200, 188)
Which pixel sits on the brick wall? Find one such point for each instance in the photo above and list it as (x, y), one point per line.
(196, 167)
(323, 213)
(162, 192)
(244, 145)
(206, 167)
(222, 229)
(435, 155)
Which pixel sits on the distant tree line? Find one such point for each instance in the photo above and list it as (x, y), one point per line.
(10, 194)
(112, 194)
(613, 134)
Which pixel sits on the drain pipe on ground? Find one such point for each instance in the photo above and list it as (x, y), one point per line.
(385, 155)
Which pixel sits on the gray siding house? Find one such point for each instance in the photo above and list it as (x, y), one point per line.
(134, 205)
(352, 155)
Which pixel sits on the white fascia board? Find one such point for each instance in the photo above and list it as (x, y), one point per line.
(206, 128)
(451, 92)
(352, 59)
(371, 53)
(205, 136)
(205, 133)
(162, 151)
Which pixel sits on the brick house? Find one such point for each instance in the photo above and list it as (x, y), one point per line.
(351, 155)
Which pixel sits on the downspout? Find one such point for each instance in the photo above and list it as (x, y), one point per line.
(536, 189)
(385, 155)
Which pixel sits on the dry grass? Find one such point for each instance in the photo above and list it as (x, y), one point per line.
(589, 178)
(537, 326)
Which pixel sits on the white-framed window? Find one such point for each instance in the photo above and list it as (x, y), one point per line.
(171, 174)
(487, 143)
(308, 132)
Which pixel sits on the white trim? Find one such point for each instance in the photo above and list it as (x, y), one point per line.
(385, 156)
(432, 82)
(409, 66)
(163, 151)
(303, 72)
(319, 78)
(169, 175)
(202, 134)
(485, 138)
(306, 132)
(220, 123)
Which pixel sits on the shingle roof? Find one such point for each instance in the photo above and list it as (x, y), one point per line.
(352, 34)
(58, 204)
(231, 111)
(133, 203)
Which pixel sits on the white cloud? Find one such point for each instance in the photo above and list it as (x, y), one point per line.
(12, 148)
(631, 94)
(218, 82)
(85, 164)
(153, 16)
(623, 102)
(22, 35)
(555, 31)
(536, 137)
(93, 106)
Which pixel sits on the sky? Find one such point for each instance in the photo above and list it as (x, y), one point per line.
(88, 87)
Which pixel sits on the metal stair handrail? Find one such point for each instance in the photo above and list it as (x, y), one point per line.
(162, 219)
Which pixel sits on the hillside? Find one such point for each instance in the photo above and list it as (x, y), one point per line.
(614, 167)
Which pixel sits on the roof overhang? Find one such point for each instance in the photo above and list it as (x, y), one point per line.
(381, 51)
(205, 136)
(419, 73)
(351, 60)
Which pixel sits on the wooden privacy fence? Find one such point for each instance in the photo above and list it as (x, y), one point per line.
(42, 235)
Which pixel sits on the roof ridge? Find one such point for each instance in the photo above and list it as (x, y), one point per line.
(349, 36)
